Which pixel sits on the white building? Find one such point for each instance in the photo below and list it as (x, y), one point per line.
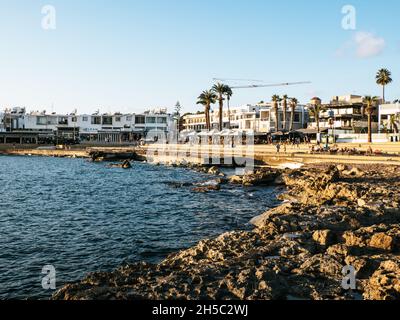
(259, 118)
(105, 128)
(389, 118)
(2, 124)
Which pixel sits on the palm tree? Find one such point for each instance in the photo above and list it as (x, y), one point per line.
(220, 89)
(207, 98)
(275, 108)
(383, 78)
(370, 102)
(284, 109)
(228, 94)
(315, 111)
(394, 123)
(293, 105)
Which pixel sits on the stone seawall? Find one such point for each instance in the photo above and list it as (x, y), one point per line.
(173, 154)
(332, 217)
(46, 153)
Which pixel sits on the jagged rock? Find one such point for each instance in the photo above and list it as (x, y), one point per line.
(297, 250)
(236, 180)
(207, 188)
(279, 181)
(342, 167)
(382, 241)
(385, 282)
(361, 202)
(353, 239)
(354, 172)
(259, 178)
(338, 250)
(214, 171)
(323, 237)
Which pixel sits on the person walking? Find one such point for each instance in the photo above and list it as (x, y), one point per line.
(278, 148)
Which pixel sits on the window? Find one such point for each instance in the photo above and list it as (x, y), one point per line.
(52, 120)
(63, 121)
(265, 116)
(151, 120)
(162, 120)
(85, 119)
(74, 119)
(96, 120)
(140, 119)
(297, 117)
(41, 121)
(128, 118)
(117, 119)
(107, 121)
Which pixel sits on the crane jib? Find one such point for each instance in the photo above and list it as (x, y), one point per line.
(271, 85)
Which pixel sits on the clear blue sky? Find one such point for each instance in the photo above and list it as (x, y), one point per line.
(129, 55)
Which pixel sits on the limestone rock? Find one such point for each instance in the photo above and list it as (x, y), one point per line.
(385, 282)
(323, 237)
(382, 241)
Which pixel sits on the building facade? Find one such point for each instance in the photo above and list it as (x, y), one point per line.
(389, 118)
(344, 114)
(2, 124)
(100, 128)
(259, 118)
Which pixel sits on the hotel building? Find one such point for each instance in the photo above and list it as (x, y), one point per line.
(259, 118)
(94, 128)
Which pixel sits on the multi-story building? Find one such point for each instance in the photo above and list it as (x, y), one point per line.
(101, 128)
(2, 124)
(12, 119)
(259, 118)
(344, 114)
(389, 117)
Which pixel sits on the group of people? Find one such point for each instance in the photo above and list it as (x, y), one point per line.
(293, 142)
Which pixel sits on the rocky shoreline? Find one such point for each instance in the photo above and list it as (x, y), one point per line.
(331, 217)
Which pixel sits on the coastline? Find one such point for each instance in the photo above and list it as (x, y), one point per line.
(332, 217)
(262, 154)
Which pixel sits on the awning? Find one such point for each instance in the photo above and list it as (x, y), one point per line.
(203, 134)
(213, 132)
(192, 134)
(279, 133)
(311, 131)
(226, 132)
(186, 131)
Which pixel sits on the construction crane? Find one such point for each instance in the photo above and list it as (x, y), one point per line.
(240, 80)
(254, 86)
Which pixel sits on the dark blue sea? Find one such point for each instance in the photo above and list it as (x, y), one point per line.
(83, 217)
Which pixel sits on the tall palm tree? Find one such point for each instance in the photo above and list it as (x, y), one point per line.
(275, 107)
(220, 89)
(228, 94)
(315, 111)
(371, 103)
(383, 78)
(207, 98)
(394, 123)
(293, 105)
(284, 109)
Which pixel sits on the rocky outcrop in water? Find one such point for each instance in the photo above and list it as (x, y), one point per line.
(261, 177)
(331, 217)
